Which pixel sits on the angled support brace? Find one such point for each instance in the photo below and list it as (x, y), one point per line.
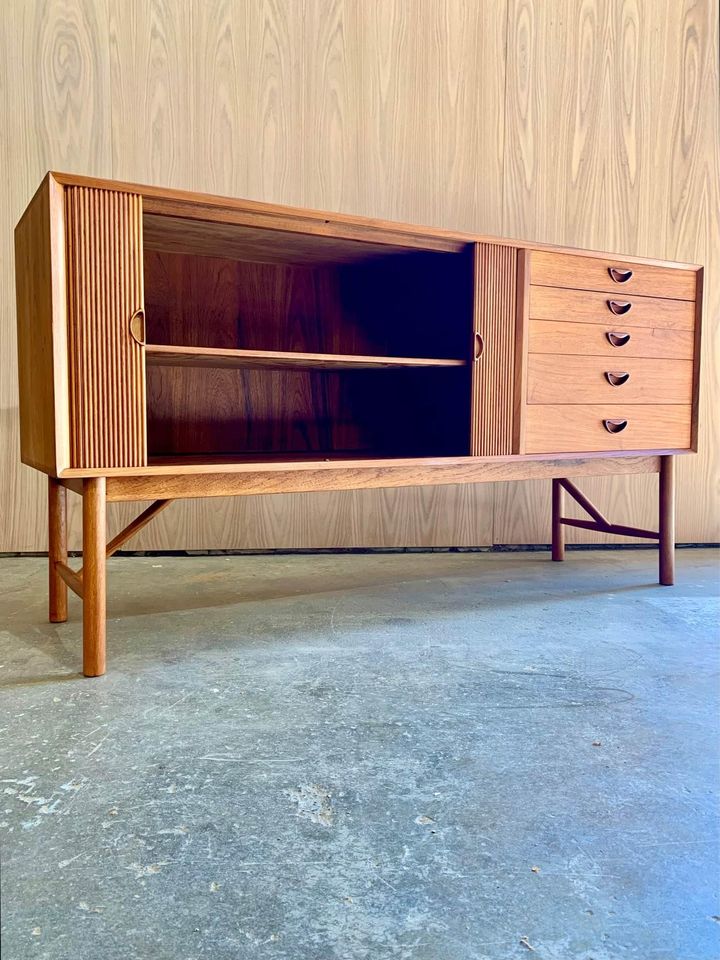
(142, 520)
(665, 535)
(89, 581)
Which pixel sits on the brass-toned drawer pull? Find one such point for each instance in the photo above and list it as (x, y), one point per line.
(615, 426)
(620, 274)
(137, 326)
(618, 307)
(616, 379)
(617, 339)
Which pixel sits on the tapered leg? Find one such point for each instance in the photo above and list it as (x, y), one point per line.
(667, 521)
(94, 543)
(57, 550)
(558, 530)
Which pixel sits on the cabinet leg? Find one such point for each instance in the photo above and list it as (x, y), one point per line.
(57, 550)
(558, 530)
(667, 521)
(94, 544)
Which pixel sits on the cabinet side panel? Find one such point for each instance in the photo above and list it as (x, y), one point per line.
(41, 331)
(493, 392)
(106, 363)
(699, 285)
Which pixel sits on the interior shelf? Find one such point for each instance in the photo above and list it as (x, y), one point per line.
(174, 356)
(306, 456)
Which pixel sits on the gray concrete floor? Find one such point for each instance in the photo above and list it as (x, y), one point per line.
(424, 756)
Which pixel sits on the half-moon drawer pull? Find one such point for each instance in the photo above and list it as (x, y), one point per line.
(615, 426)
(618, 307)
(620, 274)
(617, 339)
(137, 326)
(479, 346)
(616, 379)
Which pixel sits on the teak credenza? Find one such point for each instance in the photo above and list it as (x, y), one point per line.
(173, 344)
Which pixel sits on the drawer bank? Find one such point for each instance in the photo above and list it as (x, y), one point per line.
(172, 344)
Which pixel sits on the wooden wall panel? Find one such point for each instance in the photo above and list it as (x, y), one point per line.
(612, 143)
(54, 96)
(595, 124)
(317, 103)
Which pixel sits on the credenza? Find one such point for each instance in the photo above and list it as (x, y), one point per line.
(173, 344)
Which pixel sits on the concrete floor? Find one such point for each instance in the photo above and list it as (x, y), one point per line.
(423, 756)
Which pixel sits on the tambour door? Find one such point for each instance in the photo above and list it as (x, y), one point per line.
(497, 343)
(106, 364)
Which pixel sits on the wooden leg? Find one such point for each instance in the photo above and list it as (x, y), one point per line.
(57, 550)
(94, 576)
(558, 530)
(667, 521)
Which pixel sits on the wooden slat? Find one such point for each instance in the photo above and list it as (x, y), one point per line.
(170, 356)
(617, 529)
(105, 289)
(493, 382)
(318, 478)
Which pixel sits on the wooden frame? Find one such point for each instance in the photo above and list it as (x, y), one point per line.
(177, 345)
(665, 534)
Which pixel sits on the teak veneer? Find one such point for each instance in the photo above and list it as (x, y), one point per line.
(173, 344)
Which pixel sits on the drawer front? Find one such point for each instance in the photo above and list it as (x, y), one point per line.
(612, 276)
(617, 309)
(580, 428)
(571, 380)
(608, 340)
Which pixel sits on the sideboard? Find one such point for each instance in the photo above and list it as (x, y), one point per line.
(173, 344)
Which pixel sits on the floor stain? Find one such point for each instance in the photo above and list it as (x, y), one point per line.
(313, 803)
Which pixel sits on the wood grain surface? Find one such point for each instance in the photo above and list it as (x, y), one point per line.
(106, 364)
(591, 124)
(612, 143)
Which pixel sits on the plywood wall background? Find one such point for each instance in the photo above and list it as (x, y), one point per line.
(583, 122)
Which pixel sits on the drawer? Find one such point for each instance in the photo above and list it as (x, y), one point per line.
(592, 273)
(587, 306)
(608, 340)
(571, 380)
(580, 428)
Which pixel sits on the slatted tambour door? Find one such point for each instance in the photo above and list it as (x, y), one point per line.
(106, 363)
(493, 382)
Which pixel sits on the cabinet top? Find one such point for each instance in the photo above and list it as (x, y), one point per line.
(209, 207)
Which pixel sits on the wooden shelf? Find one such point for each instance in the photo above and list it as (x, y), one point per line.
(171, 356)
(306, 456)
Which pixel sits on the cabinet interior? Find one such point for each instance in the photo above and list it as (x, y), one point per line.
(292, 345)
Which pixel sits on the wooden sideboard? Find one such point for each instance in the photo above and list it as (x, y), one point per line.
(173, 344)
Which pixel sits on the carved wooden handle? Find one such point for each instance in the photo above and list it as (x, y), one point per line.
(620, 274)
(137, 326)
(618, 307)
(617, 339)
(479, 346)
(615, 426)
(616, 379)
